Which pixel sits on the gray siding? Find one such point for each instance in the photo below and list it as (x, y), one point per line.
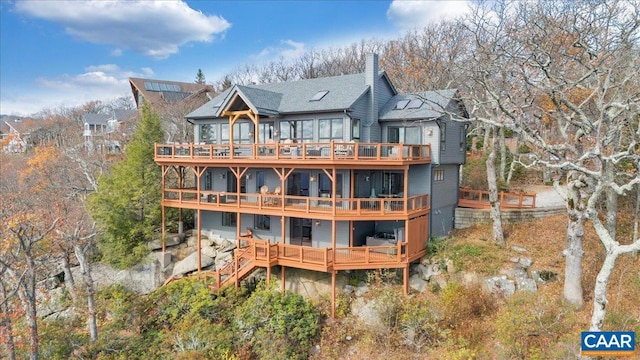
(444, 202)
(419, 183)
(452, 154)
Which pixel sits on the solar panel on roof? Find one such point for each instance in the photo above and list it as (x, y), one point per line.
(414, 104)
(401, 104)
(147, 85)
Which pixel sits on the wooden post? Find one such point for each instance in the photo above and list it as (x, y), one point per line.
(268, 272)
(164, 230)
(199, 238)
(405, 273)
(333, 294)
(282, 280)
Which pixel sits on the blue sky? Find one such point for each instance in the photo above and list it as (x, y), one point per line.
(66, 53)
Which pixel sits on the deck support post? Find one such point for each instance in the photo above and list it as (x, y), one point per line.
(164, 230)
(405, 285)
(282, 280)
(333, 294)
(268, 274)
(199, 238)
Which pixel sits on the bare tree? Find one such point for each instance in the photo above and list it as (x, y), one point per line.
(574, 99)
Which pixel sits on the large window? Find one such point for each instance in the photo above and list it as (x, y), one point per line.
(298, 130)
(331, 129)
(393, 183)
(209, 133)
(463, 139)
(242, 133)
(406, 135)
(265, 132)
(443, 136)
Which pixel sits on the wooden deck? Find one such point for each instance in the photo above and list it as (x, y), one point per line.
(316, 153)
(479, 199)
(261, 253)
(290, 205)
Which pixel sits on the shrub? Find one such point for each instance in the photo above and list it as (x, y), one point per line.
(277, 325)
(530, 326)
(172, 302)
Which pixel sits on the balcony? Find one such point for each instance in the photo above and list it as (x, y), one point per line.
(291, 205)
(291, 152)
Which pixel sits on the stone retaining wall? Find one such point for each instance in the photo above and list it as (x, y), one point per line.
(466, 217)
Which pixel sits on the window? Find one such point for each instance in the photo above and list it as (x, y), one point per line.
(319, 95)
(262, 222)
(265, 132)
(259, 180)
(393, 183)
(207, 180)
(408, 135)
(242, 133)
(330, 129)
(299, 130)
(443, 136)
(401, 104)
(438, 175)
(415, 104)
(209, 133)
(229, 219)
(224, 134)
(355, 132)
(463, 139)
(324, 185)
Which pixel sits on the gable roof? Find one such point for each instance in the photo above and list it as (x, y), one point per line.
(158, 92)
(432, 105)
(291, 97)
(103, 119)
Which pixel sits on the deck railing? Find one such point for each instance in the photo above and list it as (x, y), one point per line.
(299, 204)
(298, 151)
(479, 199)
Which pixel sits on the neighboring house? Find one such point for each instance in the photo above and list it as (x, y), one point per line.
(99, 130)
(162, 93)
(327, 174)
(13, 137)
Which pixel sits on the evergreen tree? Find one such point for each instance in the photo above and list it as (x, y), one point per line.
(200, 77)
(127, 202)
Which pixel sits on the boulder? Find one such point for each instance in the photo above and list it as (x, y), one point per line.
(171, 241)
(417, 283)
(527, 285)
(209, 251)
(222, 259)
(190, 263)
(500, 286)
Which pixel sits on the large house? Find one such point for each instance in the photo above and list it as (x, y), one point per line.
(327, 174)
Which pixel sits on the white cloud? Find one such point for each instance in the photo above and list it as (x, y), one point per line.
(287, 50)
(153, 28)
(97, 82)
(416, 14)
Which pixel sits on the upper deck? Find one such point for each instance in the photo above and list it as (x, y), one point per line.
(331, 153)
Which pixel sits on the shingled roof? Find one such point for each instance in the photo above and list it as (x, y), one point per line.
(292, 97)
(422, 105)
(158, 92)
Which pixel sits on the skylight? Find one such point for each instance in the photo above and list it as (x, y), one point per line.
(401, 104)
(319, 95)
(414, 104)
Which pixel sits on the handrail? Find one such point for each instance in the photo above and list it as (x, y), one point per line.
(302, 204)
(479, 199)
(287, 151)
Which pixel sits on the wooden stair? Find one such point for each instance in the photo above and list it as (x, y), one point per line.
(241, 267)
